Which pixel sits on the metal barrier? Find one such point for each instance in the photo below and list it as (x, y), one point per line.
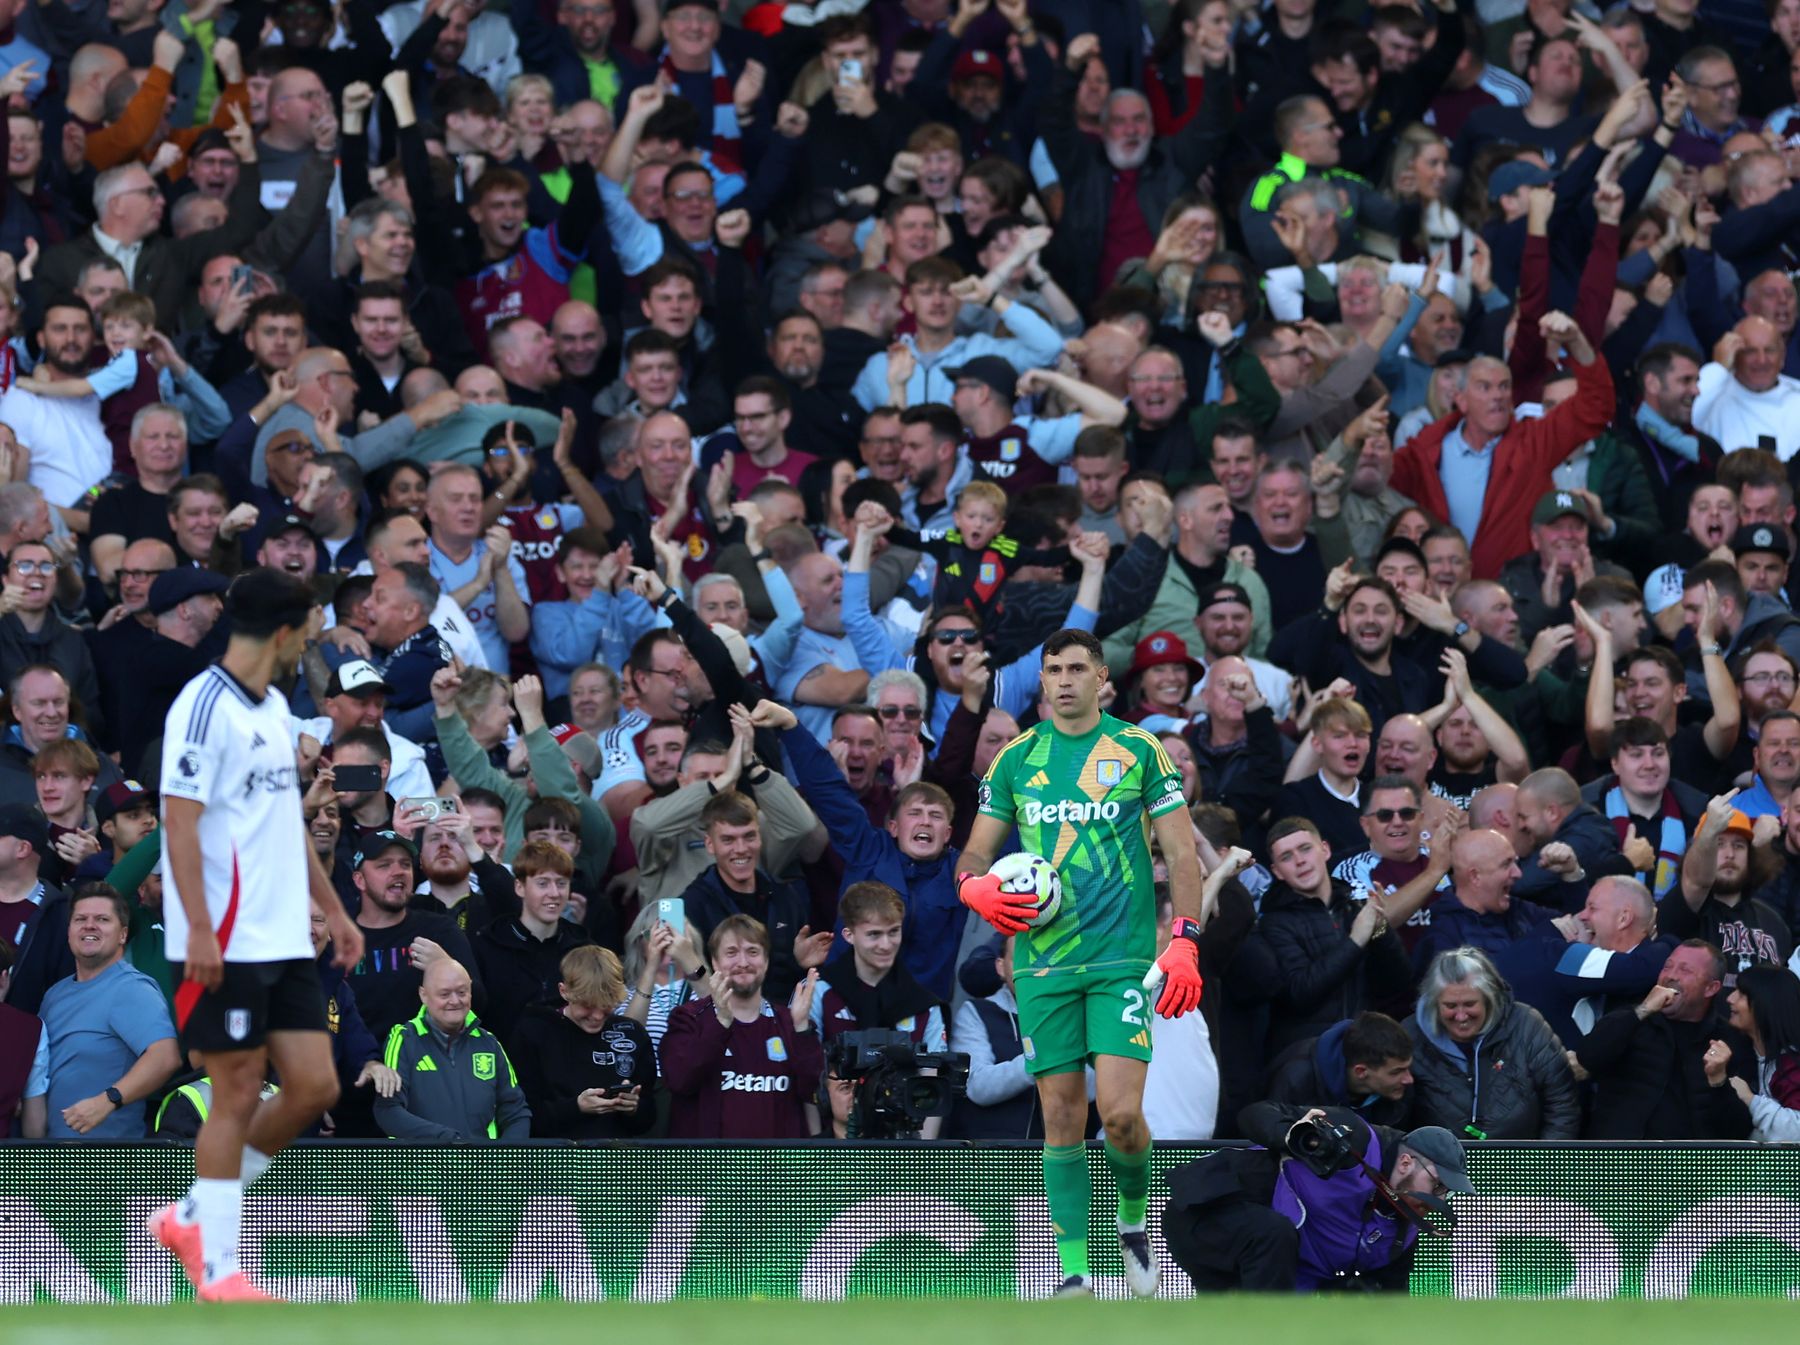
(339, 1221)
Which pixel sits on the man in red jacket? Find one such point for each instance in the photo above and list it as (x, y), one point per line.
(1482, 470)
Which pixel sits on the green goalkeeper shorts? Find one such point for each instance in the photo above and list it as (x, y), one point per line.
(1070, 1015)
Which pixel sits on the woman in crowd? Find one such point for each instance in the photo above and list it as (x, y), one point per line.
(588, 1070)
(652, 989)
(1765, 1007)
(1485, 1066)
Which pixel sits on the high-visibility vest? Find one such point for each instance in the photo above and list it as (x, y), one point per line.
(199, 1096)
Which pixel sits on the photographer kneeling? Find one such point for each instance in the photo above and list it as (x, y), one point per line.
(1328, 1200)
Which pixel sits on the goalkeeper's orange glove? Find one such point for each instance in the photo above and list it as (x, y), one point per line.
(1008, 912)
(1177, 971)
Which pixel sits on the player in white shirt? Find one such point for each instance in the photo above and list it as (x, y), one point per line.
(239, 876)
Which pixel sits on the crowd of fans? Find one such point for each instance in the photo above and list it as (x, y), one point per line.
(693, 424)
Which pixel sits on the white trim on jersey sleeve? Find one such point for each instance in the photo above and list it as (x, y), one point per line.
(194, 737)
(619, 760)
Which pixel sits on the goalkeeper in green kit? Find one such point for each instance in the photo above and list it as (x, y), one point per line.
(1084, 790)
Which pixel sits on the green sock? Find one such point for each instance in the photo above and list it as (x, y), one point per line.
(1132, 1174)
(1071, 1192)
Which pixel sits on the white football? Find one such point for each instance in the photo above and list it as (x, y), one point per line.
(1036, 876)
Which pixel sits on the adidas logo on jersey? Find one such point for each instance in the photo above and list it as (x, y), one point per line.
(730, 1081)
(257, 740)
(1066, 810)
(1038, 781)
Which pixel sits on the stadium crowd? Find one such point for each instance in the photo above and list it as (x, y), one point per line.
(694, 423)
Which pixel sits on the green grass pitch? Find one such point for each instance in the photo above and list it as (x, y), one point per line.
(1334, 1320)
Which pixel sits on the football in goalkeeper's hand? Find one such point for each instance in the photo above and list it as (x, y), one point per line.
(1034, 876)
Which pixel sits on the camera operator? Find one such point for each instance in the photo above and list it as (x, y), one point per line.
(869, 987)
(1328, 1200)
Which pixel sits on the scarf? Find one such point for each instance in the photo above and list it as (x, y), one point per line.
(1666, 434)
(1670, 846)
(727, 140)
(896, 996)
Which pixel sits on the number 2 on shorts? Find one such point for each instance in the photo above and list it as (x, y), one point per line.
(1134, 1008)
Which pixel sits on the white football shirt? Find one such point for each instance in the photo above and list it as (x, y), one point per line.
(234, 755)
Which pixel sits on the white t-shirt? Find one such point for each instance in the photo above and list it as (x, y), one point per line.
(620, 763)
(452, 625)
(1731, 413)
(408, 775)
(69, 448)
(480, 614)
(1181, 1089)
(234, 756)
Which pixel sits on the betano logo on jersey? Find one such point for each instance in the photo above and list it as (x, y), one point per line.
(1035, 814)
(731, 1081)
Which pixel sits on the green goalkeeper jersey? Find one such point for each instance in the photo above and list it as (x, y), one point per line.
(1085, 803)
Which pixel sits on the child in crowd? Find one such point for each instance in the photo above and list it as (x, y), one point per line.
(141, 369)
(975, 557)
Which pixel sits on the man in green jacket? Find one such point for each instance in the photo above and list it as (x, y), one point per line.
(1199, 560)
(456, 1083)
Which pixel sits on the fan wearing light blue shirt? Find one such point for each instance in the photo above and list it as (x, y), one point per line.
(878, 642)
(936, 290)
(494, 596)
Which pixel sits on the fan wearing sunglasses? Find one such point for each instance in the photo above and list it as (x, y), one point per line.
(1408, 875)
(31, 629)
(952, 636)
(899, 698)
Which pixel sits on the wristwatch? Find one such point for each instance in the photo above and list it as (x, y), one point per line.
(114, 1096)
(1459, 630)
(1711, 651)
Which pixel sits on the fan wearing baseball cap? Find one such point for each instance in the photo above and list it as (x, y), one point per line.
(125, 813)
(1723, 866)
(1763, 552)
(1224, 620)
(24, 839)
(977, 105)
(1022, 451)
(387, 980)
(185, 603)
(1560, 561)
(356, 698)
